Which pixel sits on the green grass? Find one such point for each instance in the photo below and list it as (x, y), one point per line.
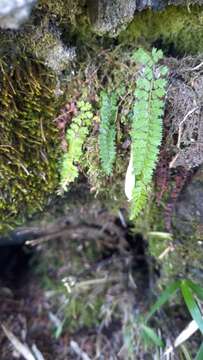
(192, 294)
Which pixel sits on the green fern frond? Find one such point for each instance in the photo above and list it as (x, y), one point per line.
(146, 131)
(75, 136)
(107, 131)
(139, 197)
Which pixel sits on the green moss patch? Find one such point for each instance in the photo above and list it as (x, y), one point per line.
(177, 29)
(28, 138)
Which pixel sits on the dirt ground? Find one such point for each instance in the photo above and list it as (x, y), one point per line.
(95, 242)
(75, 290)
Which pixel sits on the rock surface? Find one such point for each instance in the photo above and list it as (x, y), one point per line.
(14, 12)
(185, 257)
(189, 209)
(110, 16)
(113, 16)
(162, 4)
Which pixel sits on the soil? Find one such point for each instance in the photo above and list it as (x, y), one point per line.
(26, 304)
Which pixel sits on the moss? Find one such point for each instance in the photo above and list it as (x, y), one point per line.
(182, 253)
(177, 28)
(28, 137)
(184, 262)
(158, 243)
(60, 8)
(69, 18)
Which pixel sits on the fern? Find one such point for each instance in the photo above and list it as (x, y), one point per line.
(75, 136)
(146, 131)
(107, 132)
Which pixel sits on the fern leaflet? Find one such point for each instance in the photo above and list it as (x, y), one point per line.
(107, 131)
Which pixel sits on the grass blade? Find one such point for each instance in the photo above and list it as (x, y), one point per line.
(185, 352)
(186, 333)
(199, 355)
(192, 305)
(150, 333)
(163, 298)
(182, 337)
(198, 290)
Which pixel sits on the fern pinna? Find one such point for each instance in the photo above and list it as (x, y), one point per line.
(107, 131)
(75, 136)
(146, 131)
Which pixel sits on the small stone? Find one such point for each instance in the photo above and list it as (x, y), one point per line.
(110, 16)
(14, 12)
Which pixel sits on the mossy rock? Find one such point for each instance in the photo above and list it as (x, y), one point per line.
(188, 228)
(29, 138)
(188, 214)
(180, 254)
(177, 30)
(62, 9)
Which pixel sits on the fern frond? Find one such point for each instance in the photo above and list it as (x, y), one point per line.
(146, 133)
(107, 131)
(75, 136)
(139, 197)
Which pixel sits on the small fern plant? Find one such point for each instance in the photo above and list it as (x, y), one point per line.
(107, 131)
(146, 133)
(75, 136)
